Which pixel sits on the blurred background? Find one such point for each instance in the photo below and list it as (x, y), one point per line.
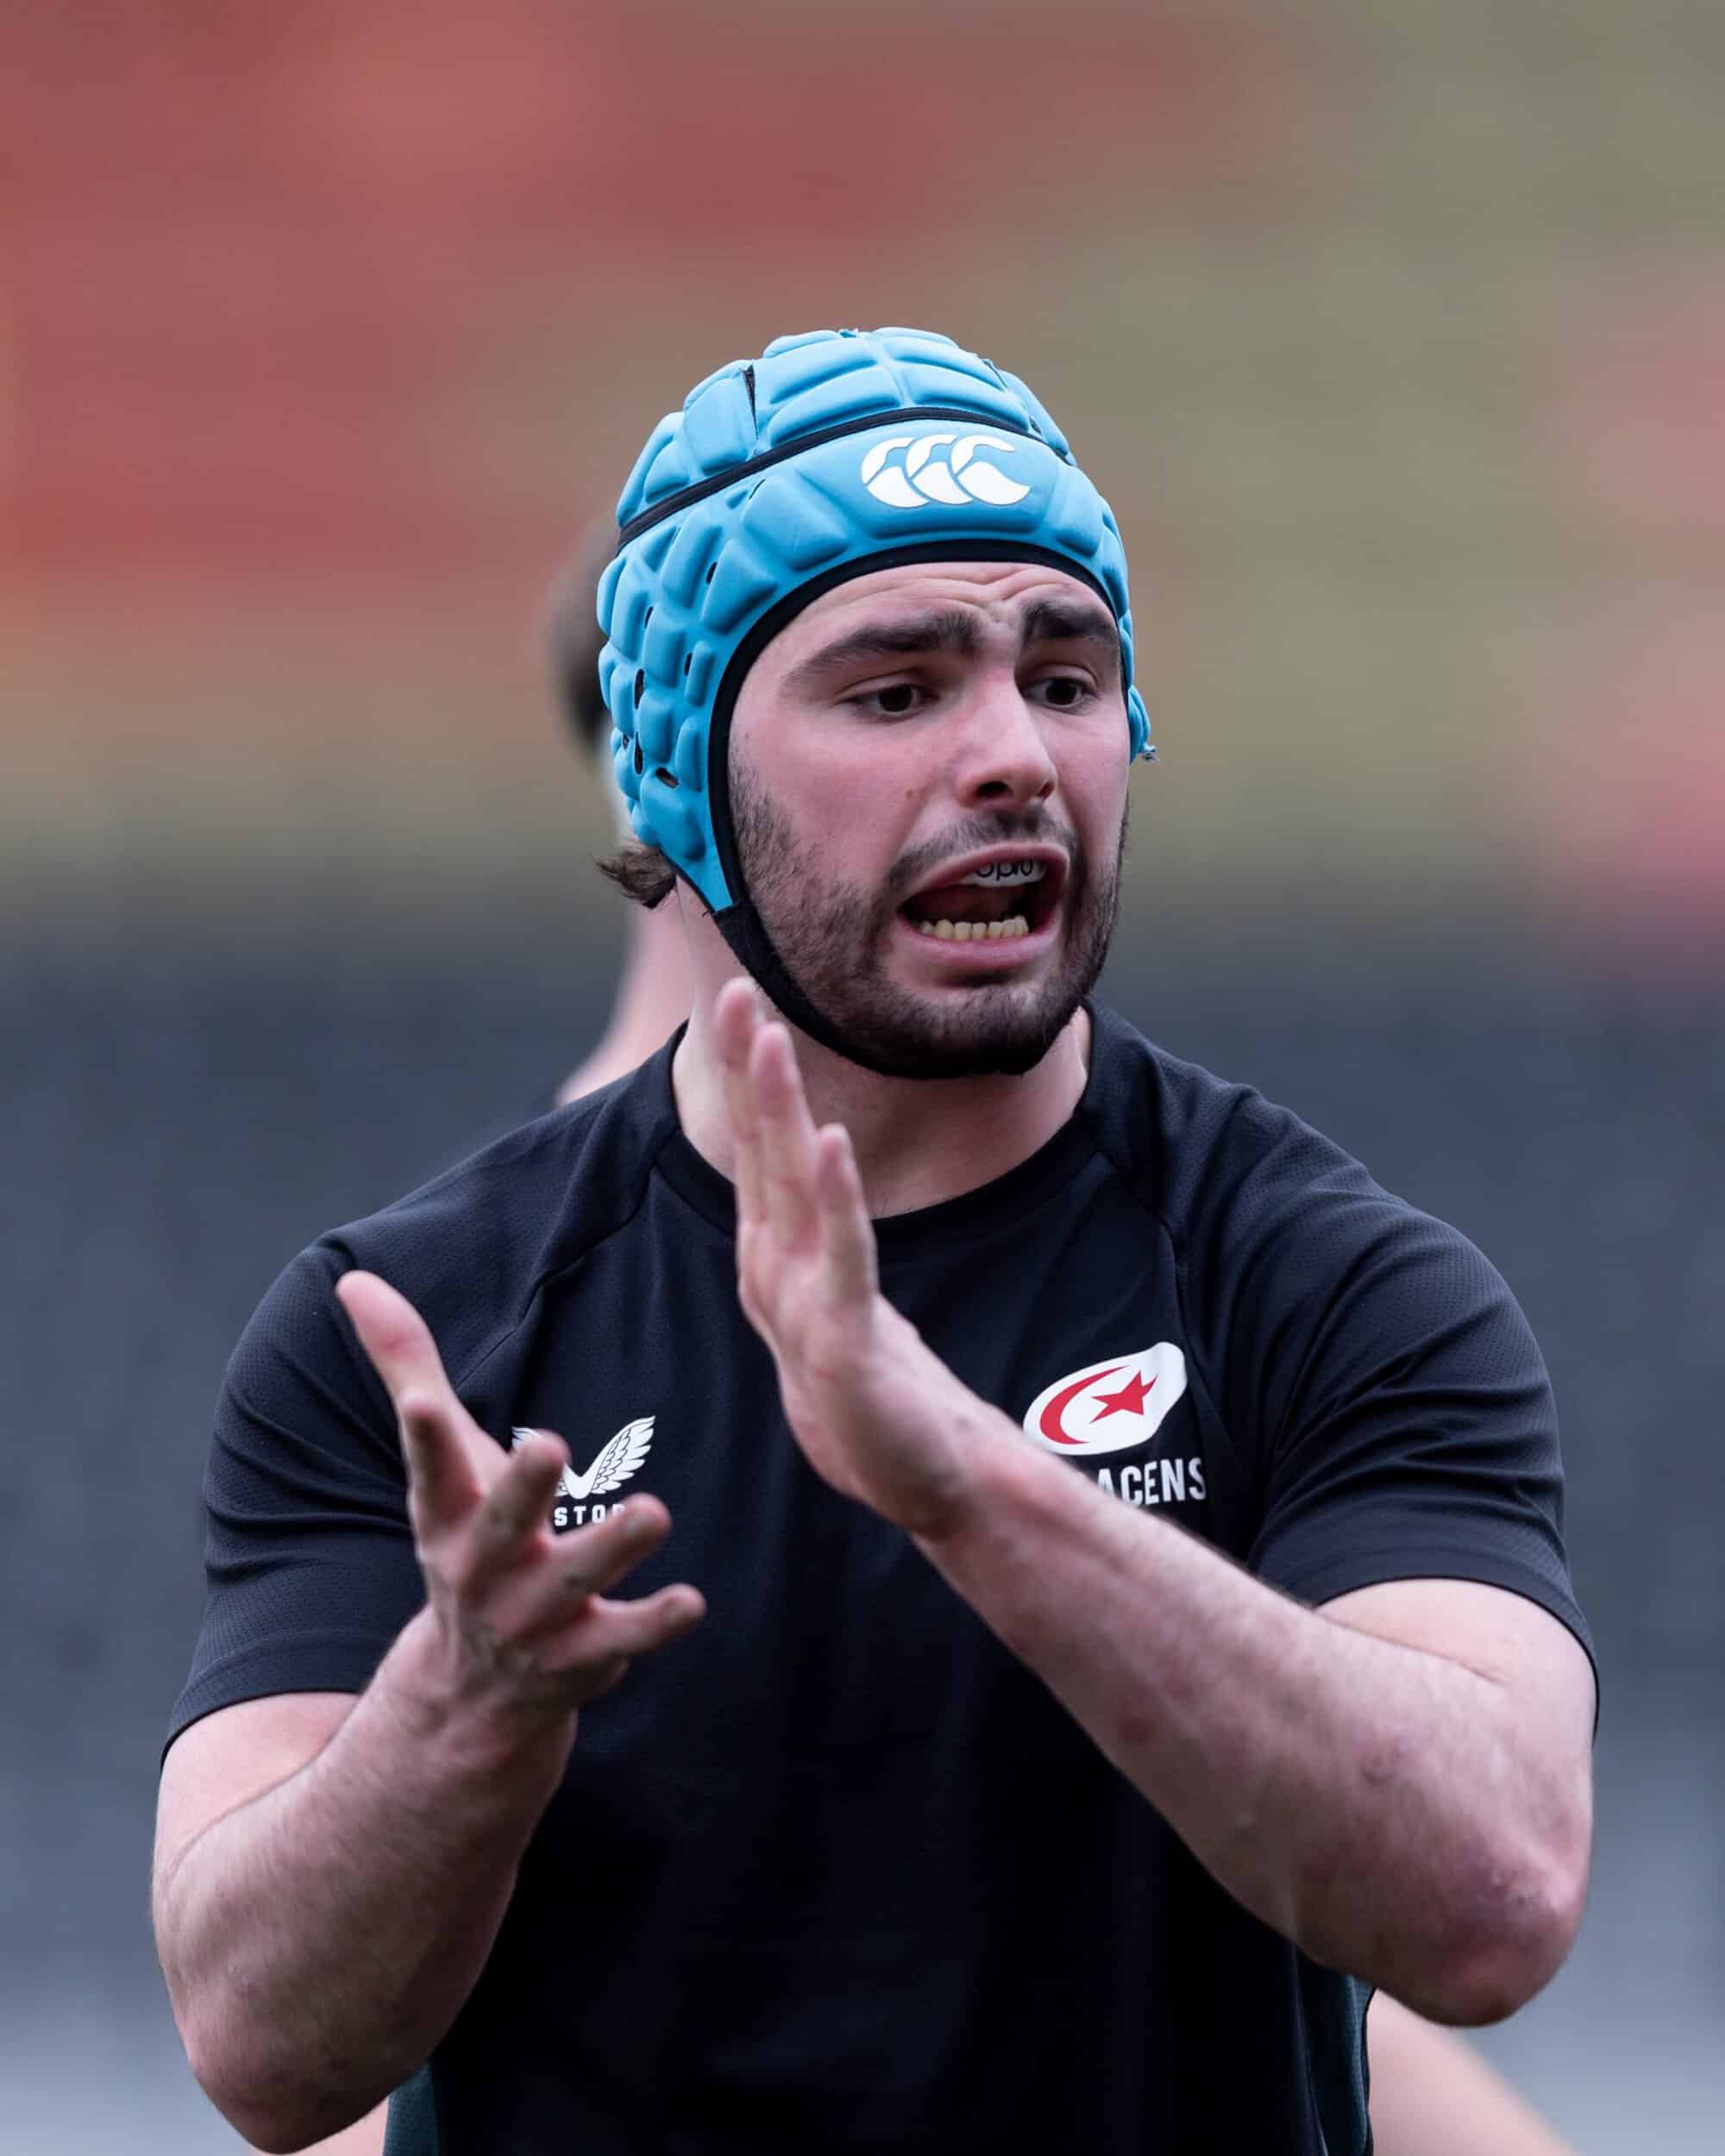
(1396, 331)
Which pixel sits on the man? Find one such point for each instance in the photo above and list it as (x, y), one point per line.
(1014, 1793)
(1430, 2094)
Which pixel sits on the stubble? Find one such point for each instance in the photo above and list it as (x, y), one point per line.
(833, 937)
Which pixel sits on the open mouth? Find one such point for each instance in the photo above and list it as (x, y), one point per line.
(998, 901)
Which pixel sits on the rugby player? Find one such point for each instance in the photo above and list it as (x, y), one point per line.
(867, 1859)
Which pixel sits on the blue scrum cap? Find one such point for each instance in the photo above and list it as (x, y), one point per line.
(834, 453)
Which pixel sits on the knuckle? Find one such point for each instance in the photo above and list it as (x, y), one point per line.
(493, 1527)
(508, 1511)
(455, 1575)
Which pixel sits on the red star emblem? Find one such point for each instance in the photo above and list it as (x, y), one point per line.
(1129, 1400)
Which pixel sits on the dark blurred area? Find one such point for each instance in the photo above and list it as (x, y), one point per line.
(185, 1117)
(1397, 337)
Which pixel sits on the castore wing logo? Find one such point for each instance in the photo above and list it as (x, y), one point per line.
(1108, 1407)
(957, 479)
(619, 1458)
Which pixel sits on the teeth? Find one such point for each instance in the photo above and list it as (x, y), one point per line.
(975, 931)
(996, 873)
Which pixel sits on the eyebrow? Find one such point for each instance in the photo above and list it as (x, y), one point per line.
(954, 631)
(1049, 621)
(1058, 621)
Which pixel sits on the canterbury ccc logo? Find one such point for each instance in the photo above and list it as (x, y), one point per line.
(957, 480)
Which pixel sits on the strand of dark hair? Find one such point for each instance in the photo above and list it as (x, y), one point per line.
(641, 873)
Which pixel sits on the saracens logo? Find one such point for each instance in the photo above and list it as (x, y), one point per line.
(1108, 1407)
(957, 480)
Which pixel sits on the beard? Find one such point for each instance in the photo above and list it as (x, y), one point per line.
(832, 939)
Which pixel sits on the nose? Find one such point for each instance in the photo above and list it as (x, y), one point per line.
(1002, 758)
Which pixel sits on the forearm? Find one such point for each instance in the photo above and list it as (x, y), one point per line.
(320, 1940)
(1369, 1801)
(1432, 2094)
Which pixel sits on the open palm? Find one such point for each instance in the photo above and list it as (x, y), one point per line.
(876, 1412)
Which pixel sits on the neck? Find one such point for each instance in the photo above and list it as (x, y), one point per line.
(918, 1141)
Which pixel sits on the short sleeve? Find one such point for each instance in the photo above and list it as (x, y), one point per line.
(1408, 1420)
(310, 1565)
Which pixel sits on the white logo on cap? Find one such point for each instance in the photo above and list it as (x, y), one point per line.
(923, 478)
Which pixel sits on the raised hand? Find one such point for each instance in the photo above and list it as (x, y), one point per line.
(522, 1615)
(875, 1412)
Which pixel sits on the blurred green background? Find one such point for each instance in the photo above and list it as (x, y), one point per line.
(1397, 335)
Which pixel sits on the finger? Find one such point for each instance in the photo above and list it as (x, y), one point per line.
(540, 1594)
(753, 1308)
(404, 1354)
(611, 1635)
(441, 1486)
(584, 1567)
(847, 1235)
(786, 1136)
(737, 1018)
(594, 1559)
(745, 1162)
(736, 1011)
(394, 1335)
(629, 1630)
(518, 1502)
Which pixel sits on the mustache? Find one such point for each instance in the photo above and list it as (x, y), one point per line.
(1034, 826)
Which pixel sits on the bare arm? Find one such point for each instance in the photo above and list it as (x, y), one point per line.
(365, 2137)
(262, 1743)
(329, 1879)
(1416, 1814)
(1432, 2094)
(319, 1938)
(1399, 1784)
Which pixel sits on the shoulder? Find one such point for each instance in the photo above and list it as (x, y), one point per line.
(1205, 1153)
(1282, 1237)
(1306, 1286)
(473, 1248)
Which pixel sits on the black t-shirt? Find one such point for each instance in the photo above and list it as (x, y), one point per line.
(837, 1873)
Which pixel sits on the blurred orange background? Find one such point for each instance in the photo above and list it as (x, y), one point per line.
(1397, 336)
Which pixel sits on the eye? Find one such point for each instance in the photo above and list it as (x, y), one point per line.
(898, 700)
(1064, 692)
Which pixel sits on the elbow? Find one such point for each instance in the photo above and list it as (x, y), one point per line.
(276, 2131)
(262, 2131)
(279, 2091)
(215, 2074)
(1518, 1933)
(277, 2120)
